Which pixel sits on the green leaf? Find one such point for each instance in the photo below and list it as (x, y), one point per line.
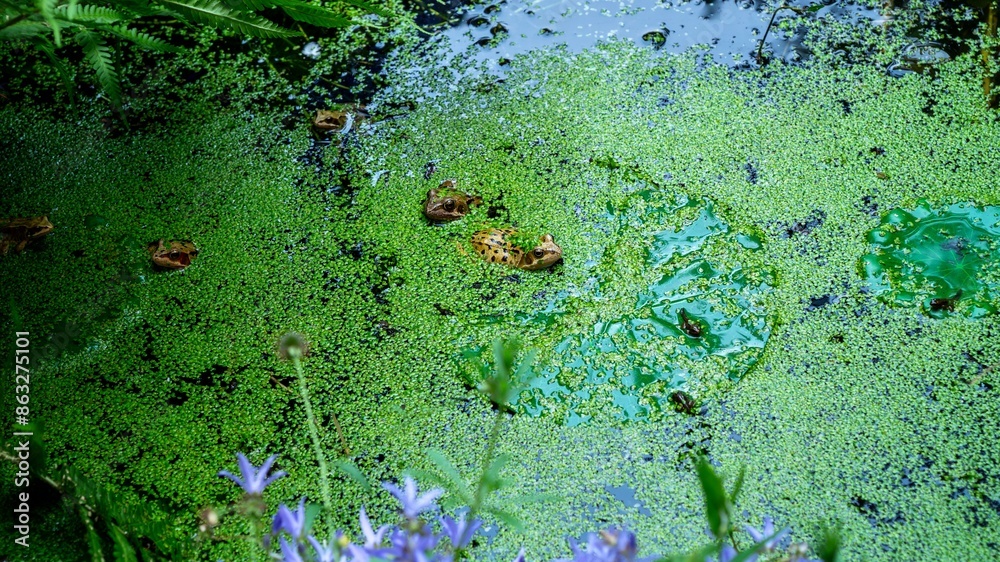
(313, 15)
(738, 485)
(23, 30)
(312, 512)
(144, 40)
(697, 556)
(507, 518)
(716, 503)
(89, 13)
(459, 485)
(47, 7)
(93, 541)
(123, 550)
(97, 53)
(745, 555)
(211, 12)
(830, 542)
(353, 472)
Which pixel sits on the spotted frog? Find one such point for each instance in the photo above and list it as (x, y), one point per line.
(340, 120)
(445, 203)
(175, 254)
(17, 233)
(494, 246)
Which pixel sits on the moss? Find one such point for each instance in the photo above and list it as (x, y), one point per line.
(878, 416)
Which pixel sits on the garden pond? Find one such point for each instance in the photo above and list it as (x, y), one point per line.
(787, 263)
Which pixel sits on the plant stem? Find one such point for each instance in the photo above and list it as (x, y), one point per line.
(991, 33)
(324, 470)
(763, 39)
(491, 446)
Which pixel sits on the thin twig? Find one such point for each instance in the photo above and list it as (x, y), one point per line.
(760, 48)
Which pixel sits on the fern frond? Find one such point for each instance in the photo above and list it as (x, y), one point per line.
(211, 12)
(47, 9)
(97, 53)
(71, 9)
(311, 14)
(250, 5)
(89, 13)
(23, 30)
(144, 40)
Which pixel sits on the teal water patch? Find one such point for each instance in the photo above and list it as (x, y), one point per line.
(678, 320)
(947, 260)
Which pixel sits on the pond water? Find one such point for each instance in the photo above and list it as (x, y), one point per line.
(786, 264)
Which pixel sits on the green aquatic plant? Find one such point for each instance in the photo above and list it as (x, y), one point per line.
(944, 259)
(49, 25)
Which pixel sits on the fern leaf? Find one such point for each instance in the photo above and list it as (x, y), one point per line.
(71, 10)
(123, 550)
(47, 9)
(313, 15)
(250, 5)
(211, 12)
(89, 13)
(97, 53)
(23, 30)
(144, 40)
(93, 541)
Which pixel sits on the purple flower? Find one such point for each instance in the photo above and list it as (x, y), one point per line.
(289, 552)
(459, 532)
(413, 505)
(606, 546)
(373, 539)
(254, 480)
(291, 522)
(767, 532)
(330, 552)
(520, 555)
(415, 546)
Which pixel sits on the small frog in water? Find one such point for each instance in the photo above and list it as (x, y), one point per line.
(17, 233)
(445, 203)
(946, 304)
(494, 246)
(175, 254)
(689, 326)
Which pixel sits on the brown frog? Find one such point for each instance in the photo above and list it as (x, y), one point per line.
(17, 233)
(445, 203)
(494, 246)
(175, 254)
(338, 119)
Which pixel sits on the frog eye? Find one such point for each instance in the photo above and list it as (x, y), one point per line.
(449, 205)
(538, 253)
(175, 254)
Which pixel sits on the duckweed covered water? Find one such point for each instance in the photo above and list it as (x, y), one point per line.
(856, 410)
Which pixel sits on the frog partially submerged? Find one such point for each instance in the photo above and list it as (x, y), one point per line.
(494, 246)
(445, 203)
(340, 120)
(17, 233)
(175, 254)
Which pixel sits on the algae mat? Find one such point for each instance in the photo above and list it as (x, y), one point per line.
(880, 417)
